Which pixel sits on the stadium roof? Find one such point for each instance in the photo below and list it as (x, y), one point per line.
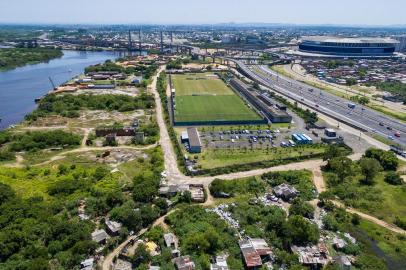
(349, 39)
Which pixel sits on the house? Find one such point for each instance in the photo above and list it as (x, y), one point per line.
(120, 132)
(184, 138)
(171, 241)
(113, 227)
(184, 263)
(172, 190)
(339, 243)
(220, 263)
(87, 264)
(343, 262)
(285, 191)
(314, 257)
(152, 248)
(195, 145)
(99, 236)
(255, 251)
(197, 192)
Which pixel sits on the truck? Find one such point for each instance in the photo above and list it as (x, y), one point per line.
(351, 105)
(398, 150)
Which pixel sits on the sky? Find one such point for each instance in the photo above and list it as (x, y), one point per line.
(349, 12)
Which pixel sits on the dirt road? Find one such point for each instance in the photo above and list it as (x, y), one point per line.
(375, 220)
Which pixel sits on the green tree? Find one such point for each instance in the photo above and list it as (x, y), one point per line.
(370, 167)
(6, 193)
(301, 208)
(301, 232)
(342, 166)
(387, 159)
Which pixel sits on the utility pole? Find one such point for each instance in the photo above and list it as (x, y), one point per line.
(139, 42)
(130, 45)
(162, 42)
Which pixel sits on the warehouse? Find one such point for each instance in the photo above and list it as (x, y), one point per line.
(262, 103)
(195, 145)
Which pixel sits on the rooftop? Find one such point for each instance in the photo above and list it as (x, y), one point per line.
(99, 235)
(357, 40)
(194, 138)
(184, 263)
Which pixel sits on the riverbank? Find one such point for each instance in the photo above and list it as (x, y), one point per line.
(11, 58)
(21, 86)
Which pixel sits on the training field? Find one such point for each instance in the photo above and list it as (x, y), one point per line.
(204, 97)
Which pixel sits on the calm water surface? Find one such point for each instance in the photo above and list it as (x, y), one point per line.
(20, 87)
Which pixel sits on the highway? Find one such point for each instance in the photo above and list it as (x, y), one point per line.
(364, 118)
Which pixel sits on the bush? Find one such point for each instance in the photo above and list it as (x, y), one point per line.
(393, 178)
(32, 141)
(387, 159)
(301, 208)
(218, 188)
(401, 222)
(6, 155)
(301, 232)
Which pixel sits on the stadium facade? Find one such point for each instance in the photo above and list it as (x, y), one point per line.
(338, 46)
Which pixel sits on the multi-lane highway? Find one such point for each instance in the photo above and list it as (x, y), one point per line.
(364, 118)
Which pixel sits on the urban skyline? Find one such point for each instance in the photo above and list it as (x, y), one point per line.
(315, 12)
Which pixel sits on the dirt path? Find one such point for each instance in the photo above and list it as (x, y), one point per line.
(171, 165)
(87, 149)
(85, 136)
(375, 220)
(319, 182)
(108, 261)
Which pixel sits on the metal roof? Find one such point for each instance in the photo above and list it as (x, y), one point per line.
(356, 40)
(194, 138)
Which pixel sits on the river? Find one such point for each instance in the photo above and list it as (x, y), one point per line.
(21, 86)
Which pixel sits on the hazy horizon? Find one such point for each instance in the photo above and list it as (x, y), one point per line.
(314, 12)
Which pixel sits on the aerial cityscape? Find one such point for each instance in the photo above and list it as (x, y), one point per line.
(214, 135)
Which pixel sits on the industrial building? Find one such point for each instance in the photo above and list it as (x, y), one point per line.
(195, 145)
(341, 46)
(275, 112)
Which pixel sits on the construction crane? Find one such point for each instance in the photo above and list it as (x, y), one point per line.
(52, 82)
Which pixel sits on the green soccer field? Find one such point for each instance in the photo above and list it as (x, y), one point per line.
(204, 97)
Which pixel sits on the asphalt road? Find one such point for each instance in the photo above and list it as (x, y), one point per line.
(360, 116)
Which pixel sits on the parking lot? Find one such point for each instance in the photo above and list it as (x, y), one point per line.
(252, 138)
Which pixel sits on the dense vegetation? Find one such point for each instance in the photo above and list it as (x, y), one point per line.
(16, 57)
(280, 231)
(36, 140)
(39, 223)
(69, 105)
(308, 116)
(376, 247)
(370, 184)
(222, 188)
(145, 70)
(38, 207)
(203, 234)
(301, 180)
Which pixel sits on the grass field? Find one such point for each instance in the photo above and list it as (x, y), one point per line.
(204, 97)
(213, 158)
